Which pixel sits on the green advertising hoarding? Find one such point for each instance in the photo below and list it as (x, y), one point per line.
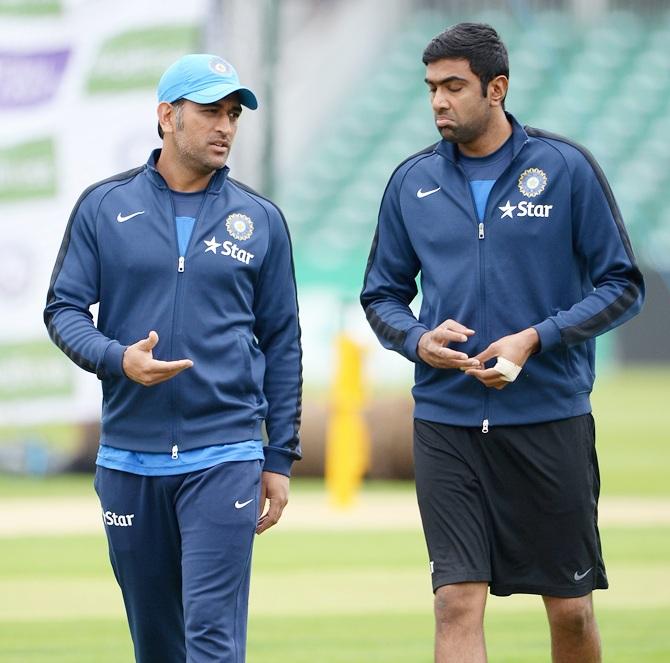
(34, 369)
(137, 58)
(28, 170)
(29, 7)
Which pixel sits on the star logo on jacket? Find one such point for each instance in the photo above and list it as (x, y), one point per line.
(212, 245)
(239, 226)
(228, 248)
(507, 210)
(532, 182)
(525, 208)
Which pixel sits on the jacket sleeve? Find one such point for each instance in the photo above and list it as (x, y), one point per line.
(390, 278)
(603, 247)
(73, 290)
(277, 329)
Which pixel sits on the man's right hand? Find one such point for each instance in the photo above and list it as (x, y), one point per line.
(433, 348)
(140, 366)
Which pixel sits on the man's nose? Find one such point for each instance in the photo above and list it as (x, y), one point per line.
(223, 124)
(440, 100)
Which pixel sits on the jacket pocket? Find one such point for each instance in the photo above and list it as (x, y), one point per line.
(579, 367)
(253, 363)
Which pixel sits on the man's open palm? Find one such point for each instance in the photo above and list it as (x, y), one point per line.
(140, 366)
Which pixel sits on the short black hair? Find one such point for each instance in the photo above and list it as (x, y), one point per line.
(175, 104)
(478, 43)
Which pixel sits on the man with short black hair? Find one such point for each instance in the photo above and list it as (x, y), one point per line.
(185, 262)
(524, 259)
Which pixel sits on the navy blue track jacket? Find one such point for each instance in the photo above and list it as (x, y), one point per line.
(552, 253)
(229, 304)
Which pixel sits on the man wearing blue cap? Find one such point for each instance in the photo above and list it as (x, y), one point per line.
(176, 250)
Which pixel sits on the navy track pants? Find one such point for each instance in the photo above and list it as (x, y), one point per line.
(180, 547)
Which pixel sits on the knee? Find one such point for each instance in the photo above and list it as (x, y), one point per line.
(459, 605)
(573, 616)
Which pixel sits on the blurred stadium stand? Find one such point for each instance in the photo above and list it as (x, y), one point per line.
(605, 85)
(342, 103)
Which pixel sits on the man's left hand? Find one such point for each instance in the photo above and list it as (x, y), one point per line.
(274, 489)
(515, 347)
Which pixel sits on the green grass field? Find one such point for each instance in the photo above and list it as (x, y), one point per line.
(357, 596)
(332, 597)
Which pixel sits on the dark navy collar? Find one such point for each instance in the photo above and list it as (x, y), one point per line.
(215, 183)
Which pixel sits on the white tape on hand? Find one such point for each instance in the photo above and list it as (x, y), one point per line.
(508, 369)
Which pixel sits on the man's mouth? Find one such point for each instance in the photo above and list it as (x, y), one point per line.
(220, 147)
(443, 121)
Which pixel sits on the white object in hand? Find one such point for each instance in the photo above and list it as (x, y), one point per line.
(508, 369)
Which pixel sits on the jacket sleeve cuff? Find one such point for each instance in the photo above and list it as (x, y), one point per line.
(112, 361)
(277, 461)
(412, 341)
(549, 333)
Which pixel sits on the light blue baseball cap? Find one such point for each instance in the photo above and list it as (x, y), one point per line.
(203, 78)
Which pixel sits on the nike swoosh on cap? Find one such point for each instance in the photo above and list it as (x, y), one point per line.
(423, 194)
(120, 218)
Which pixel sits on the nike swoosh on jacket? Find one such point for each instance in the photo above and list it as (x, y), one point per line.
(569, 272)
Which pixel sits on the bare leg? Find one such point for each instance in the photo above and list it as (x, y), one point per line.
(459, 623)
(574, 632)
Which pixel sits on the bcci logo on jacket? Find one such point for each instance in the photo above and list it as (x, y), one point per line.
(532, 182)
(239, 226)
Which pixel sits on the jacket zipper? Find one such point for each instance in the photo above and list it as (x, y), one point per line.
(482, 289)
(176, 311)
(174, 442)
(481, 236)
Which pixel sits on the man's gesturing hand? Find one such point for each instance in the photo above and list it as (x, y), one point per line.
(274, 488)
(140, 366)
(433, 348)
(515, 347)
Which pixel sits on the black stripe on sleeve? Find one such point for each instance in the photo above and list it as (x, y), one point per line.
(602, 180)
(605, 318)
(78, 359)
(394, 336)
(373, 249)
(294, 445)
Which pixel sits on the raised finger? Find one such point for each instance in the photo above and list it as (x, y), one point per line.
(271, 518)
(489, 377)
(483, 373)
(466, 364)
(261, 502)
(444, 336)
(457, 326)
(452, 336)
(451, 355)
(170, 367)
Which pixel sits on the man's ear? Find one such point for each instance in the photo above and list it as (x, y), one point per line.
(166, 117)
(497, 90)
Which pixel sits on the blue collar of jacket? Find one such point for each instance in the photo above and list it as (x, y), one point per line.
(215, 183)
(519, 139)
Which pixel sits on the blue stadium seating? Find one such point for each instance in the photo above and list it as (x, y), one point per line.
(605, 85)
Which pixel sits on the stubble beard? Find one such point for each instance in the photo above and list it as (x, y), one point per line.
(464, 134)
(195, 158)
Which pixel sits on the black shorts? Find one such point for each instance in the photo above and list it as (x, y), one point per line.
(516, 507)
